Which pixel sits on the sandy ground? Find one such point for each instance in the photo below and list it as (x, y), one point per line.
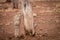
(47, 21)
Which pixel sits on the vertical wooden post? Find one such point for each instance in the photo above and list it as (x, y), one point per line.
(28, 16)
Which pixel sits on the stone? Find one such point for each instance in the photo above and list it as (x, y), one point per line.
(34, 14)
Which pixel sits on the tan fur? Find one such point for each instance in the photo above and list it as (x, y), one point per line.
(16, 24)
(28, 16)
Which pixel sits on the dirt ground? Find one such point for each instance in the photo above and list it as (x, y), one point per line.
(47, 21)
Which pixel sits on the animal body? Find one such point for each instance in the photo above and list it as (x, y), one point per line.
(28, 17)
(15, 3)
(16, 25)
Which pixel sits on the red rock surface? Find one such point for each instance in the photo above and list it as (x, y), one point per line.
(47, 21)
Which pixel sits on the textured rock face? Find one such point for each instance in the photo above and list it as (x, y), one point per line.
(44, 0)
(47, 20)
(2, 1)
